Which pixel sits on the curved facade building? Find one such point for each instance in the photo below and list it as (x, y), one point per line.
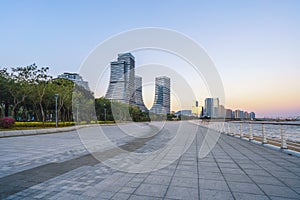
(162, 96)
(138, 94)
(124, 86)
(122, 79)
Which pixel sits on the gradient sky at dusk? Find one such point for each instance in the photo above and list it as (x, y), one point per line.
(254, 44)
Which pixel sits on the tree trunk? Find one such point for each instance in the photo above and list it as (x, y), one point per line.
(13, 111)
(36, 113)
(42, 114)
(6, 109)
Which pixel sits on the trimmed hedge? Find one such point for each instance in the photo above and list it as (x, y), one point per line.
(106, 122)
(40, 124)
(60, 124)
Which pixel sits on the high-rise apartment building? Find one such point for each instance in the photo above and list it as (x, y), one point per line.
(252, 115)
(162, 96)
(212, 107)
(138, 94)
(122, 79)
(239, 114)
(222, 111)
(229, 114)
(246, 115)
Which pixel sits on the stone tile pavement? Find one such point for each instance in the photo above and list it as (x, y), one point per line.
(57, 166)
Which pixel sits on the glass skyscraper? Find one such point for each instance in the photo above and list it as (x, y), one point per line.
(212, 107)
(162, 96)
(138, 94)
(122, 79)
(124, 86)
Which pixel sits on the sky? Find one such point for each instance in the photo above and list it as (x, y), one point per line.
(255, 45)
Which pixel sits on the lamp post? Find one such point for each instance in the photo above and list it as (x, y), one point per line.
(56, 114)
(105, 113)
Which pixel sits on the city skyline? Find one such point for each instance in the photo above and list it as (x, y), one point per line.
(126, 87)
(197, 110)
(255, 45)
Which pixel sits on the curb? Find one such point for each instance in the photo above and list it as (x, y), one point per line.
(5, 134)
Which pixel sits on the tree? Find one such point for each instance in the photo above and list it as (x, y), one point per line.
(84, 102)
(170, 116)
(138, 115)
(39, 80)
(5, 96)
(28, 93)
(64, 89)
(118, 111)
(101, 105)
(19, 86)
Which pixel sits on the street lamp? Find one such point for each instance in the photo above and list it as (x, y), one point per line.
(105, 113)
(56, 114)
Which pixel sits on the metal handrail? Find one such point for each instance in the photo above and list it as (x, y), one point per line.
(232, 129)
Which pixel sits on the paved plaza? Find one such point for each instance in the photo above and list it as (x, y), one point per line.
(58, 166)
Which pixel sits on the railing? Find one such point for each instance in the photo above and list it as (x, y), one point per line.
(264, 132)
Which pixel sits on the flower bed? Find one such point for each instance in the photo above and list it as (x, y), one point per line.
(6, 122)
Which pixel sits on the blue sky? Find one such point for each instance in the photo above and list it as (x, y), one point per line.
(254, 44)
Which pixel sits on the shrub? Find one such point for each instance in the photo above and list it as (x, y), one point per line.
(46, 124)
(6, 122)
(106, 122)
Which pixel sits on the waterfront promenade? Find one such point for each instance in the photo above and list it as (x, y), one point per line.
(57, 166)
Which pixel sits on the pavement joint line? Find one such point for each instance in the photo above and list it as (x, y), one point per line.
(242, 168)
(222, 173)
(122, 186)
(197, 160)
(271, 160)
(172, 177)
(259, 166)
(139, 186)
(254, 142)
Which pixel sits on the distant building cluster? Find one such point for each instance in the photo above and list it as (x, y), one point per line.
(126, 87)
(76, 78)
(213, 109)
